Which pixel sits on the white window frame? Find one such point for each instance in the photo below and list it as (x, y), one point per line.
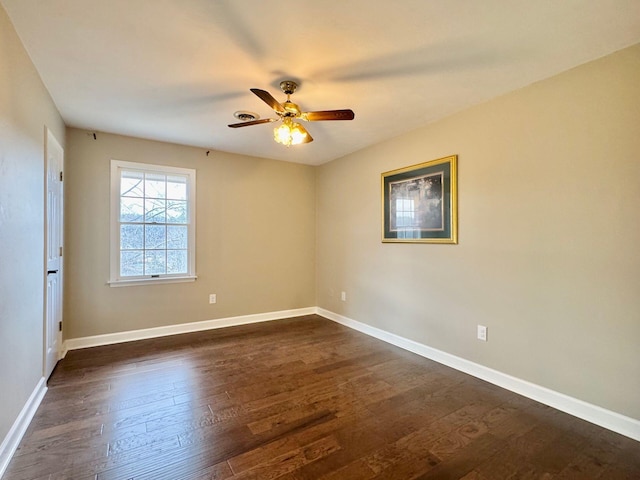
(115, 280)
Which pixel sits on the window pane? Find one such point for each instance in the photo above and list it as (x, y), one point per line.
(176, 261)
(131, 237)
(176, 187)
(176, 236)
(154, 237)
(155, 210)
(131, 184)
(176, 211)
(131, 263)
(155, 262)
(131, 209)
(154, 185)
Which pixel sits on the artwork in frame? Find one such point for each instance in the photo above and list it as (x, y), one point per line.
(419, 203)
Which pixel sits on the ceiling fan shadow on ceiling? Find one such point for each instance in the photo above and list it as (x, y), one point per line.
(290, 132)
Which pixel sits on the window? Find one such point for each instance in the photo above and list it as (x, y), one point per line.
(152, 224)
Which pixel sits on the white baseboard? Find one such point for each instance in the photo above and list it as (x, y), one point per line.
(12, 440)
(608, 419)
(120, 337)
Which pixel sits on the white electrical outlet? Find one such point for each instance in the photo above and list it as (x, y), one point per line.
(343, 296)
(482, 333)
(213, 298)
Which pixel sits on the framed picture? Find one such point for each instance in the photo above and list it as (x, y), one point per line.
(419, 203)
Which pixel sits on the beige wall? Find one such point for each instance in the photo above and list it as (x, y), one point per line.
(255, 238)
(549, 236)
(25, 109)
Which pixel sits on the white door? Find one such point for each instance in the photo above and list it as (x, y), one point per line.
(53, 309)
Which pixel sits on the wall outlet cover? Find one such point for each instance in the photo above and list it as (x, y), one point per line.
(482, 333)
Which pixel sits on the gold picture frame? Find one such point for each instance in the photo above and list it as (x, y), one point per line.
(420, 203)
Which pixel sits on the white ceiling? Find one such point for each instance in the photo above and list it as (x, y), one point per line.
(177, 70)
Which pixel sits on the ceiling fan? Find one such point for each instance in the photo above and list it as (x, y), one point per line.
(290, 132)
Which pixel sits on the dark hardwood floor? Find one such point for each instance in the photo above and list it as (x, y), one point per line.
(297, 399)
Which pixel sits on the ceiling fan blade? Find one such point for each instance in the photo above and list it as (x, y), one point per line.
(328, 115)
(267, 98)
(253, 122)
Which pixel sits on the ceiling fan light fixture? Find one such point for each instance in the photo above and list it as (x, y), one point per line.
(289, 133)
(282, 134)
(297, 134)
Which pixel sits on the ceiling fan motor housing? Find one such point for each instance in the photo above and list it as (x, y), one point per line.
(291, 109)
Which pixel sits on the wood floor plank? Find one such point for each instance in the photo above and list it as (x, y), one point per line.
(290, 461)
(297, 399)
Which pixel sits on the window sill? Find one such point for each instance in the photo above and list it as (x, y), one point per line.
(150, 281)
